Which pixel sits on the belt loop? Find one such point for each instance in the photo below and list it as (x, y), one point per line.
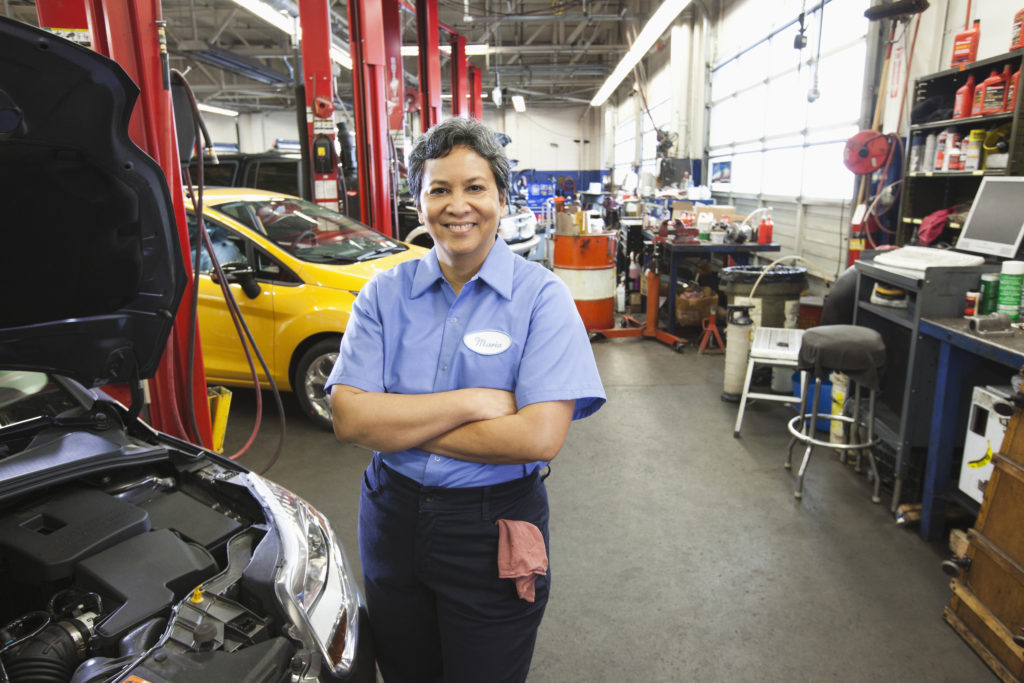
(485, 499)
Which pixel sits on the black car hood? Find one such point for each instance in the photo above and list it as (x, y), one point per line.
(91, 270)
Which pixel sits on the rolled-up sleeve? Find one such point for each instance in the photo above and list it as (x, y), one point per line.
(558, 363)
(361, 360)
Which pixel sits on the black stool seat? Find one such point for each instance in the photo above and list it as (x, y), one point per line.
(857, 351)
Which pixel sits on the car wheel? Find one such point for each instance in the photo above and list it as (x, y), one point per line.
(310, 375)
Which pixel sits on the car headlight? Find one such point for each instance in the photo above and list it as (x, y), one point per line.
(313, 581)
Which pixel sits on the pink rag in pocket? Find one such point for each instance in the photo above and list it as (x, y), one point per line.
(521, 555)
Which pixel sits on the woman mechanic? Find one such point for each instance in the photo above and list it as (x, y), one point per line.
(462, 370)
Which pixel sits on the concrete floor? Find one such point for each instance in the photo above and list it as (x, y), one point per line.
(679, 552)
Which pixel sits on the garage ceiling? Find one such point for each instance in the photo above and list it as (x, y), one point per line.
(553, 52)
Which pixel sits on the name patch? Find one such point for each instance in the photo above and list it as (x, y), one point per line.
(487, 342)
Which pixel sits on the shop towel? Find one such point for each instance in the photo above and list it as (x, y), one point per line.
(521, 555)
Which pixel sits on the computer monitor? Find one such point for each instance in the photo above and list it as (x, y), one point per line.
(995, 224)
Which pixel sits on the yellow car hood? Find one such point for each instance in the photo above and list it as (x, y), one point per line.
(353, 276)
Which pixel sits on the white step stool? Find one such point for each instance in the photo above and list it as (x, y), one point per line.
(776, 346)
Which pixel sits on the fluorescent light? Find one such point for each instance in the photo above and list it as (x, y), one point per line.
(269, 15)
(518, 103)
(657, 25)
(210, 109)
(471, 50)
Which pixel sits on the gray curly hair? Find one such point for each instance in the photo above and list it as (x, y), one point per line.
(439, 141)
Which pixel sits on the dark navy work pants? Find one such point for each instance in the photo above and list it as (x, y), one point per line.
(438, 610)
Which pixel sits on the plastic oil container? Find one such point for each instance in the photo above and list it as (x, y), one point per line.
(994, 99)
(1016, 35)
(964, 101)
(965, 45)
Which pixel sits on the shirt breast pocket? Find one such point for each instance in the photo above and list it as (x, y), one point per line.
(490, 361)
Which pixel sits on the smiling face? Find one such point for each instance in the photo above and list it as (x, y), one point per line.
(461, 206)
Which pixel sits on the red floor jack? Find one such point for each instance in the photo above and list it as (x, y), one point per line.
(648, 328)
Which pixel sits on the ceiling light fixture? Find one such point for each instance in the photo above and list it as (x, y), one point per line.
(269, 15)
(474, 50)
(662, 19)
(210, 109)
(496, 96)
(518, 103)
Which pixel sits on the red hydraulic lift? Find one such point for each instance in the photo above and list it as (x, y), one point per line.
(428, 37)
(131, 33)
(370, 84)
(475, 93)
(460, 86)
(318, 85)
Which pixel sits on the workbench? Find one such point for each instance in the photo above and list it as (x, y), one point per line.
(740, 254)
(960, 354)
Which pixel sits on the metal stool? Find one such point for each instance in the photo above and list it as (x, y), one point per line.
(859, 352)
(776, 346)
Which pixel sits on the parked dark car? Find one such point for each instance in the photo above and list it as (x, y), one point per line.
(127, 554)
(274, 171)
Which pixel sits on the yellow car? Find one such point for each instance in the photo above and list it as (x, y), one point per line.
(294, 268)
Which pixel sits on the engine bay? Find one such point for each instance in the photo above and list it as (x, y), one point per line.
(150, 568)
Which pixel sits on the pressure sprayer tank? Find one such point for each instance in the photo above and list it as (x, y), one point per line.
(738, 331)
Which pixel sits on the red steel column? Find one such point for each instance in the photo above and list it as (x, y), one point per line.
(460, 86)
(396, 74)
(475, 93)
(428, 37)
(370, 77)
(66, 18)
(131, 33)
(315, 20)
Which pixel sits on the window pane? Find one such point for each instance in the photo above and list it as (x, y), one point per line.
(753, 66)
(825, 176)
(839, 80)
(750, 108)
(723, 123)
(724, 80)
(786, 111)
(746, 173)
(782, 171)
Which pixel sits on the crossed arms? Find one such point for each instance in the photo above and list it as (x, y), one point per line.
(479, 425)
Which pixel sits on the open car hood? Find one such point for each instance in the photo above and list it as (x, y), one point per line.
(91, 270)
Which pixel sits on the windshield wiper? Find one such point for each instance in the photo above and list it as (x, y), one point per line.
(380, 251)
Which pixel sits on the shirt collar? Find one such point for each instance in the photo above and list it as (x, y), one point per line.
(496, 271)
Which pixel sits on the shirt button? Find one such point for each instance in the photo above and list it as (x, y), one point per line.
(444, 368)
(453, 320)
(437, 458)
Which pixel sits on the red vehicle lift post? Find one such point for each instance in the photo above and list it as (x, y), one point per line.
(460, 84)
(370, 78)
(475, 93)
(428, 37)
(131, 33)
(318, 82)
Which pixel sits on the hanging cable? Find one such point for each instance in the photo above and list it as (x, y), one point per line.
(249, 345)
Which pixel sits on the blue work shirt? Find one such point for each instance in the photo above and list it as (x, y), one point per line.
(514, 326)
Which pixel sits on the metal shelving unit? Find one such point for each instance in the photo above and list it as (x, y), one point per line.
(925, 192)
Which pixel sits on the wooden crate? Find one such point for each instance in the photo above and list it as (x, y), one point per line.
(987, 606)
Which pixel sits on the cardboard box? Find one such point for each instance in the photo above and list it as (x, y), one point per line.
(691, 311)
(718, 211)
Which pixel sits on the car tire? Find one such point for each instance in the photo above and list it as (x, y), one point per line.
(308, 382)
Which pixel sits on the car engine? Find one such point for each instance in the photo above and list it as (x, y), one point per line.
(161, 569)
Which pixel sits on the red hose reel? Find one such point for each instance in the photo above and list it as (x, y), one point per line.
(867, 151)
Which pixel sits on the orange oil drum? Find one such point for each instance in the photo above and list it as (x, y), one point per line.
(586, 263)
